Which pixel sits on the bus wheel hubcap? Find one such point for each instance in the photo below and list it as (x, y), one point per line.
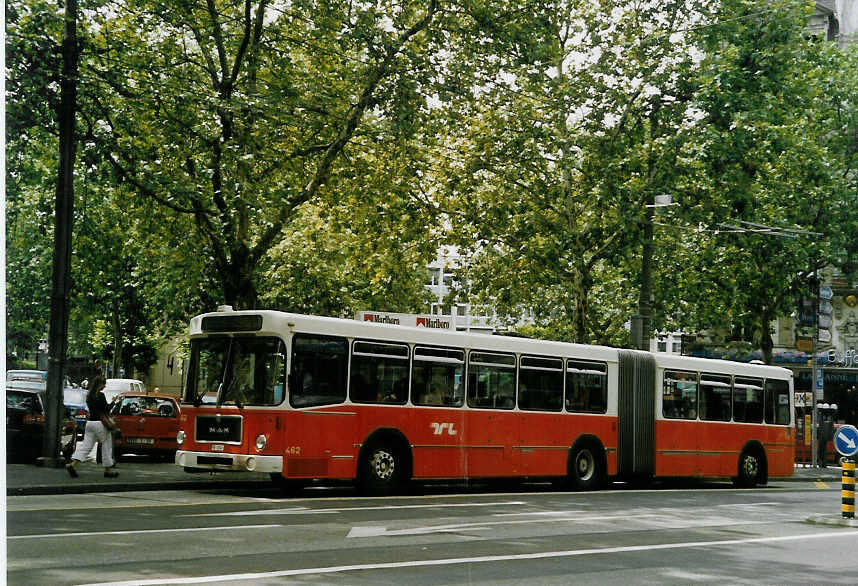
(584, 465)
(382, 464)
(750, 466)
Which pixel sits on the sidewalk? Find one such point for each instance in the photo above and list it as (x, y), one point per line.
(137, 474)
(141, 474)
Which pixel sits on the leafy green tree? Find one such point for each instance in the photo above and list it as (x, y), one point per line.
(765, 142)
(578, 120)
(32, 77)
(234, 115)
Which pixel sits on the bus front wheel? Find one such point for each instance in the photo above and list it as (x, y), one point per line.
(586, 469)
(382, 470)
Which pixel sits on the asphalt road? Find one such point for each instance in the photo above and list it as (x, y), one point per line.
(687, 534)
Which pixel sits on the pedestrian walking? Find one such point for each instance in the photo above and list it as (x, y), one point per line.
(99, 430)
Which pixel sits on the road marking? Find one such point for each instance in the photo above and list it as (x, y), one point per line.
(306, 511)
(375, 531)
(20, 504)
(743, 505)
(820, 484)
(471, 560)
(142, 531)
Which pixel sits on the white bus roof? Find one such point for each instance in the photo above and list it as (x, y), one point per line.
(275, 323)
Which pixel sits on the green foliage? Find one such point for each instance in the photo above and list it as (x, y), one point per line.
(313, 156)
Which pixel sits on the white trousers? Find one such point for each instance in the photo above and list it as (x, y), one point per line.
(95, 432)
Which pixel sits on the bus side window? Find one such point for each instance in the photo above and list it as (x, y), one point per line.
(379, 372)
(586, 387)
(777, 401)
(679, 395)
(540, 383)
(318, 371)
(715, 397)
(491, 380)
(748, 400)
(435, 376)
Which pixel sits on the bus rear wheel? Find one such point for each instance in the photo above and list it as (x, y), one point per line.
(750, 469)
(586, 469)
(382, 470)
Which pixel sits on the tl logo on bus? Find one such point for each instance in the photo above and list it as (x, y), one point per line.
(440, 427)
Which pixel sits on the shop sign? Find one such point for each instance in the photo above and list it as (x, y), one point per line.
(806, 317)
(846, 359)
(803, 399)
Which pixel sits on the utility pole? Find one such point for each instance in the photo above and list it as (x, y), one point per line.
(641, 322)
(641, 329)
(63, 225)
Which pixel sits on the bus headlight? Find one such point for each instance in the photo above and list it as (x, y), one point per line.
(250, 464)
(261, 442)
(180, 437)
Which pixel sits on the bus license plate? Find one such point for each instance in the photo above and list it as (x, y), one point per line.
(146, 441)
(217, 447)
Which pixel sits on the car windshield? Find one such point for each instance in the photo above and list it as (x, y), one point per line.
(21, 400)
(145, 405)
(236, 371)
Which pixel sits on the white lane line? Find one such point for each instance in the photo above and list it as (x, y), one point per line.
(306, 511)
(140, 532)
(471, 560)
(743, 505)
(376, 531)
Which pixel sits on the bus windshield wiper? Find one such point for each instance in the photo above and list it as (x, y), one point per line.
(227, 368)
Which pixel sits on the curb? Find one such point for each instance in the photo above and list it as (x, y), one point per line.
(80, 488)
(831, 520)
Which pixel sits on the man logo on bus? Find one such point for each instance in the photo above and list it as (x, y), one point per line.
(440, 427)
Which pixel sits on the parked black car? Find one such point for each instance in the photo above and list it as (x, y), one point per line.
(25, 423)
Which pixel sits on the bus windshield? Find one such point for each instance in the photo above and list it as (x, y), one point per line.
(240, 370)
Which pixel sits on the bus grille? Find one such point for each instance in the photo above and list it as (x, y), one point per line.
(215, 428)
(214, 460)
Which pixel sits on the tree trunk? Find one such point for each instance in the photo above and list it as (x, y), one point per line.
(117, 340)
(580, 286)
(63, 228)
(239, 287)
(766, 344)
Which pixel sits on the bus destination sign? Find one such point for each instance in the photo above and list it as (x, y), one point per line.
(435, 322)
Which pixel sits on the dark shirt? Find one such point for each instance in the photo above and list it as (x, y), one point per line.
(97, 406)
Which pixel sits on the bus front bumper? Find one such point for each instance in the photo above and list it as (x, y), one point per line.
(219, 461)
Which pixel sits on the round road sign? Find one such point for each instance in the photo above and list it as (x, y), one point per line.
(846, 440)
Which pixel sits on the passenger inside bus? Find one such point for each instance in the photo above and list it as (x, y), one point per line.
(435, 396)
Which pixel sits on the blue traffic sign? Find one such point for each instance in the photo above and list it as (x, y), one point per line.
(846, 440)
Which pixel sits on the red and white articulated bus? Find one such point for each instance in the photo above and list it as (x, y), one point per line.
(305, 397)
